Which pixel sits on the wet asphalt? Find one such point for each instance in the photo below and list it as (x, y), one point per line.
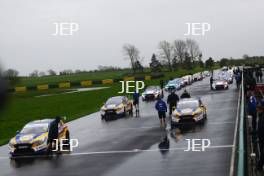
(136, 146)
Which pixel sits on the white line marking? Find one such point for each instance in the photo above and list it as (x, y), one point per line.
(149, 127)
(127, 151)
(232, 162)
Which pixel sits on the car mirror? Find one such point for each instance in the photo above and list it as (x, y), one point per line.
(17, 132)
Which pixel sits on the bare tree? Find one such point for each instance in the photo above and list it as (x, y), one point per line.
(166, 52)
(193, 49)
(179, 48)
(35, 73)
(11, 74)
(245, 56)
(52, 72)
(132, 53)
(42, 73)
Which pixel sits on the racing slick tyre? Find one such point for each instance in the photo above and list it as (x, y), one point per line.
(131, 111)
(67, 142)
(124, 114)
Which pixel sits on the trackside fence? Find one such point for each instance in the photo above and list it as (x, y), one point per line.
(238, 158)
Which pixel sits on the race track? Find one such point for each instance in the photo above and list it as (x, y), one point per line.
(130, 146)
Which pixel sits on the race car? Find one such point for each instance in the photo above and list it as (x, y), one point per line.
(116, 107)
(220, 84)
(226, 76)
(206, 73)
(188, 79)
(197, 77)
(188, 110)
(32, 139)
(173, 85)
(151, 93)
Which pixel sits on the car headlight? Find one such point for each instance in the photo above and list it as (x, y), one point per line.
(103, 108)
(11, 144)
(39, 142)
(176, 114)
(102, 112)
(119, 107)
(197, 114)
(156, 94)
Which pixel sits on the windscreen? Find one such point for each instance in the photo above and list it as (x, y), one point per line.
(114, 101)
(188, 104)
(35, 129)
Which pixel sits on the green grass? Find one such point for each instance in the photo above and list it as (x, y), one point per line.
(22, 109)
(25, 107)
(32, 81)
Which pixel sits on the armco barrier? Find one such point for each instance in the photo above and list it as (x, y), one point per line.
(64, 85)
(107, 81)
(43, 87)
(241, 144)
(86, 83)
(21, 89)
(147, 78)
(130, 78)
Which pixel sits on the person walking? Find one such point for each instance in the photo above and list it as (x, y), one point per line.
(252, 110)
(162, 86)
(172, 100)
(211, 82)
(161, 107)
(136, 96)
(53, 134)
(185, 94)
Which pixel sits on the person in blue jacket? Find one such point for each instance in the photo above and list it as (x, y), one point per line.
(136, 96)
(161, 107)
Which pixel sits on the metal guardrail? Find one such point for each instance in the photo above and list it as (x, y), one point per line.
(237, 166)
(241, 144)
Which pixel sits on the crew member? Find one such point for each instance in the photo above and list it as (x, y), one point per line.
(136, 96)
(252, 110)
(185, 94)
(211, 82)
(161, 86)
(172, 100)
(53, 132)
(161, 107)
(260, 132)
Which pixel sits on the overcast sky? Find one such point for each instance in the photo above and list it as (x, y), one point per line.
(27, 43)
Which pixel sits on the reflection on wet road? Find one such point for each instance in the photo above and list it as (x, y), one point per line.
(138, 146)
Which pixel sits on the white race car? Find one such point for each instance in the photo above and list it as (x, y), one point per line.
(220, 85)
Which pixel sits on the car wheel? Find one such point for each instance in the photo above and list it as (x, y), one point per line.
(67, 142)
(131, 111)
(124, 112)
(205, 116)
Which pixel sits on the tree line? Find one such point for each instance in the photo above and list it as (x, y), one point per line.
(177, 54)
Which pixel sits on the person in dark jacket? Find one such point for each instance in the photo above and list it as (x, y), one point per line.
(53, 132)
(252, 110)
(211, 82)
(161, 107)
(172, 100)
(260, 75)
(238, 79)
(260, 132)
(185, 94)
(162, 86)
